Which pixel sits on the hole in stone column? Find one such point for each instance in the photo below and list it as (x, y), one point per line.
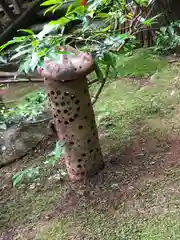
(86, 117)
(83, 173)
(72, 143)
(70, 109)
(58, 110)
(80, 67)
(52, 93)
(66, 123)
(72, 135)
(79, 160)
(83, 155)
(71, 119)
(79, 166)
(80, 127)
(77, 102)
(62, 98)
(56, 103)
(75, 69)
(65, 111)
(78, 109)
(58, 92)
(59, 121)
(91, 151)
(55, 98)
(49, 95)
(88, 141)
(55, 115)
(72, 97)
(63, 103)
(97, 150)
(66, 93)
(89, 104)
(75, 115)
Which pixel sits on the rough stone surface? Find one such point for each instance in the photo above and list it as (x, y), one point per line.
(18, 140)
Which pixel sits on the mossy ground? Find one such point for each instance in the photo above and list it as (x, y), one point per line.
(136, 196)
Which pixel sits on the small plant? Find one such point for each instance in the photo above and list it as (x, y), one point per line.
(56, 154)
(27, 110)
(168, 38)
(32, 173)
(25, 175)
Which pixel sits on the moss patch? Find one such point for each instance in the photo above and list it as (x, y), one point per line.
(142, 63)
(124, 103)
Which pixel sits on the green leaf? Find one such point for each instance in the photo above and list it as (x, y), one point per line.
(103, 15)
(103, 30)
(50, 2)
(56, 7)
(69, 9)
(19, 54)
(98, 72)
(42, 52)
(59, 149)
(109, 60)
(3, 60)
(16, 40)
(62, 21)
(79, 10)
(34, 61)
(28, 173)
(50, 9)
(21, 47)
(27, 31)
(46, 30)
(17, 178)
(35, 43)
(25, 67)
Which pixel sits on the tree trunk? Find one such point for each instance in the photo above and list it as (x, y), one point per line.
(17, 6)
(75, 123)
(7, 9)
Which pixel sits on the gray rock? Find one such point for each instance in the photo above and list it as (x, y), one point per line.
(17, 140)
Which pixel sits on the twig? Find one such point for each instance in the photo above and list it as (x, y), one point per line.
(6, 102)
(93, 81)
(101, 87)
(21, 80)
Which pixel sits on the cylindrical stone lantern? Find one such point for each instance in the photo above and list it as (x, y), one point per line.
(69, 97)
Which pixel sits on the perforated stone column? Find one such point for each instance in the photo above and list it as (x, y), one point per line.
(73, 114)
(75, 124)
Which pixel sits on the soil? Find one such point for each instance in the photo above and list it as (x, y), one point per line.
(146, 160)
(143, 160)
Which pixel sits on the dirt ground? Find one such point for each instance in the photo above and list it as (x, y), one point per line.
(136, 195)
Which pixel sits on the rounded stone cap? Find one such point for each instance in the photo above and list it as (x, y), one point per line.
(69, 66)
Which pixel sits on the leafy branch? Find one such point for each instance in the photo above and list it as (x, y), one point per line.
(30, 50)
